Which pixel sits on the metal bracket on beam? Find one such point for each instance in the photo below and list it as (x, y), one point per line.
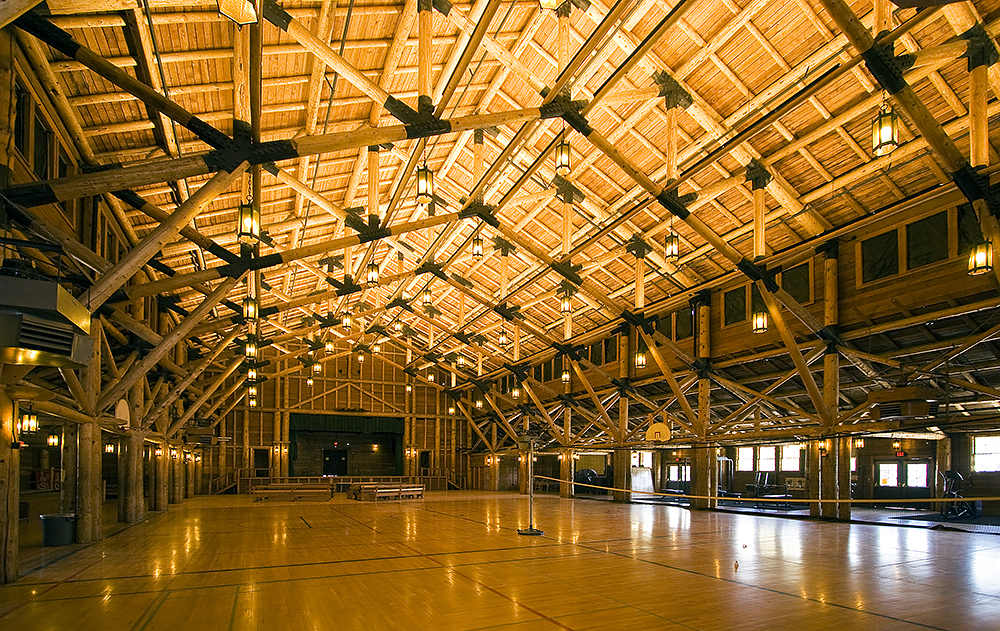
(566, 192)
(670, 89)
(638, 247)
(757, 174)
(982, 50)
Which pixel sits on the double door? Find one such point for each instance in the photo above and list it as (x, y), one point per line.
(904, 479)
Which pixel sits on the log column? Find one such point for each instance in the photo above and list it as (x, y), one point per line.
(132, 505)
(10, 490)
(836, 466)
(566, 467)
(621, 464)
(89, 489)
(493, 472)
(161, 484)
(174, 456)
(67, 489)
(704, 467)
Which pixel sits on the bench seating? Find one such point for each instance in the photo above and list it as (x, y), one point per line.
(292, 492)
(372, 492)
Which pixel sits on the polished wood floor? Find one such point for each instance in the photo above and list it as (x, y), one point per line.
(455, 561)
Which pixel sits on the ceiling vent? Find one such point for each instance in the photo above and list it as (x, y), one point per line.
(906, 403)
(41, 324)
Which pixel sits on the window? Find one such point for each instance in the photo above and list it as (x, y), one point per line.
(744, 458)
(766, 458)
(879, 257)
(969, 231)
(854, 464)
(663, 325)
(888, 474)
(679, 473)
(985, 453)
(22, 119)
(611, 349)
(916, 474)
(597, 353)
(685, 324)
(537, 372)
(927, 241)
(43, 141)
(796, 282)
(734, 304)
(547, 371)
(791, 457)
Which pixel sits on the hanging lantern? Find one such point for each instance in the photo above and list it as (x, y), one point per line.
(515, 393)
(565, 376)
(451, 409)
(109, 448)
(551, 5)
(430, 377)
(425, 296)
(562, 158)
(252, 390)
(758, 322)
(253, 402)
(640, 358)
(460, 361)
(251, 309)
(566, 303)
(328, 346)
(502, 339)
(671, 246)
(885, 131)
(309, 382)
(376, 348)
(477, 247)
(317, 367)
(479, 404)
(251, 374)
(372, 275)
(29, 422)
(397, 326)
(345, 321)
(361, 357)
(409, 388)
(425, 185)
(249, 230)
(250, 348)
(53, 440)
(981, 258)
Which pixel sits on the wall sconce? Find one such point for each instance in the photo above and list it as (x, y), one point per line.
(759, 321)
(29, 422)
(859, 443)
(897, 445)
(375, 447)
(157, 451)
(197, 457)
(173, 453)
(824, 447)
(109, 448)
(981, 258)
(249, 230)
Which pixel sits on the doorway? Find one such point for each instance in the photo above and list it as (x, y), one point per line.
(261, 462)
(904, 479)
(334, 462)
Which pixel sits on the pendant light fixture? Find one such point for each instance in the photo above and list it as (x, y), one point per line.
(241, 12)
(425, 296)
(252, 390)
(53, 440)
(477, 247)
(562, 157)
(640, 358)
(397, 326)
(309, 381)
(551, 5)
(109, 448)
(758, 323)
(251, 309)
(328, 346)
(250, 348)
(460, 361)
(671, 244)
(376, 348)
(29, 422)
(885, 131)
(251, 374)
(479, 404)
(361, 357)
(981, 258)
(566, 303)
(249, 230)
(425, 185)
(502, 339)
(372, 274)
(345, 321)
(565, 376)
(515, 392)
(430, 376)
(317, 367)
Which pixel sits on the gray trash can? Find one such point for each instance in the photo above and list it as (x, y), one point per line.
(58, 529)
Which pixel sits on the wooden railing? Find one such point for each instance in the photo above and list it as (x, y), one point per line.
(224, 481)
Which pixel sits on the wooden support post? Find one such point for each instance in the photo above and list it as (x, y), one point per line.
(833, 476)
(161, 493)
(759, 244)
(566, 472)
(425, 53)
(703, 465)
(89, 488)
(10, 491)
(622, 478)
(132, 505)
(672, 138)
(67, 492)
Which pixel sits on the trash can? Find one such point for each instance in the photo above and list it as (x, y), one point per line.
(58, 529)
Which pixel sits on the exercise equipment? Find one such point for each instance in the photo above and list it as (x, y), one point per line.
(958, 507)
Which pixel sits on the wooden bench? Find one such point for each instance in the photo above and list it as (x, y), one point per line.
(375, 492)
(292, 492)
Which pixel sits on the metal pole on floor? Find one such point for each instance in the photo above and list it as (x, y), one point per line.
(531, 530)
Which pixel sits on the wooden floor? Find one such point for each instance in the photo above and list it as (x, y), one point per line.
(455, 561)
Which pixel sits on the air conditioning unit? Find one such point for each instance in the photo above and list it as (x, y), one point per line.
(42, 324)
(906, 404)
